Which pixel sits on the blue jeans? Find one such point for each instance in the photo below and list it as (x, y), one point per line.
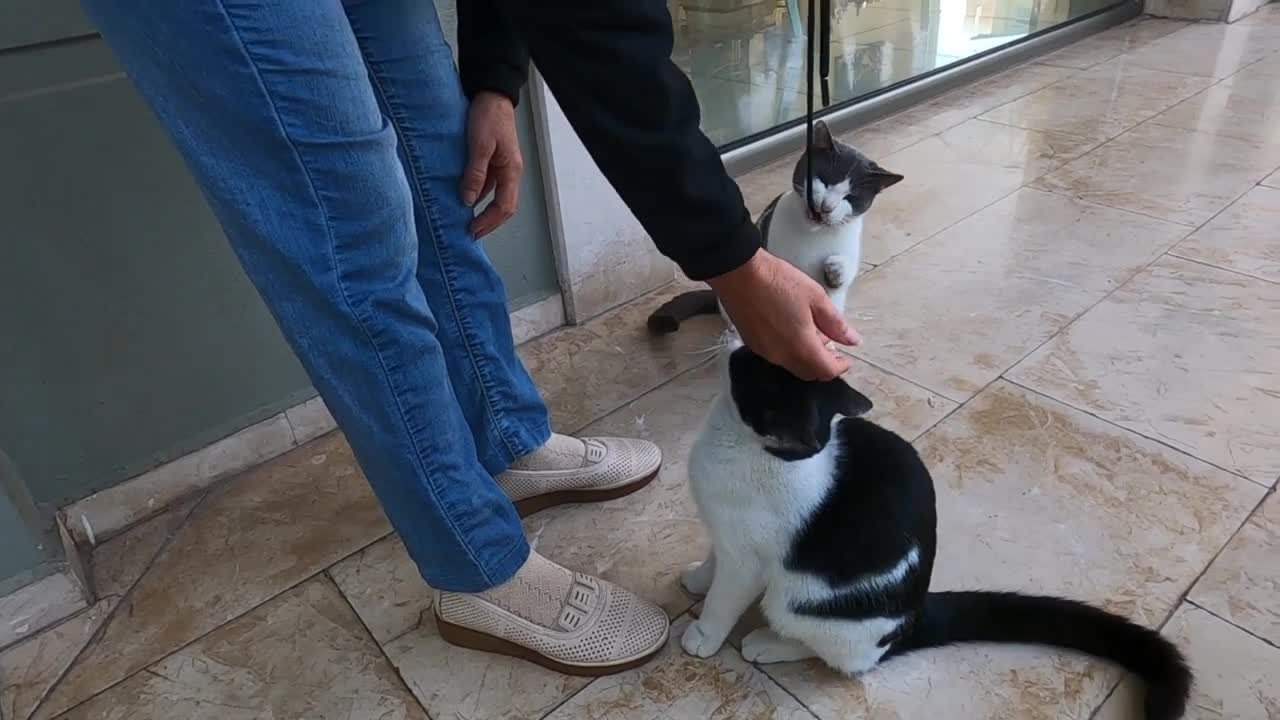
(329, 138)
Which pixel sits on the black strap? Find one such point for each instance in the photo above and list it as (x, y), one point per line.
(821, 27)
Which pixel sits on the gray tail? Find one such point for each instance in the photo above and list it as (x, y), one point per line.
(667, 319)
(999, 617)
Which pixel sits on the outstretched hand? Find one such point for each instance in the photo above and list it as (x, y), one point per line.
(786, 317)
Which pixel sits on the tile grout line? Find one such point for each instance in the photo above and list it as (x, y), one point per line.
(644, 393)
(565, 700)
(1244, 630)
(1163, 443)
(193, 641)
(1025, 185)
(382, 650)
(1065, 326)
(1119, 286)
(1183, 597)
(106, 621)
(1210, 265)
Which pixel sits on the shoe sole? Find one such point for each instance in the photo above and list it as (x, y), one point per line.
(473, 640)
(538, 503)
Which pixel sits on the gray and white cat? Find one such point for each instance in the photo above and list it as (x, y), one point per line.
(826, 245)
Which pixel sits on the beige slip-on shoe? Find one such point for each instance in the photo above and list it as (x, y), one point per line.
(572, 470)
(565, 621)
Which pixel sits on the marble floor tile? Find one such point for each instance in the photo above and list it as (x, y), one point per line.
(954, 312)
(1244, 106)
(899, 405)
(40, 604)
(1243, 583)
(384, 586)
(896, 132)
(1237, 675)
(118, 563)
(1273, 180)
(1208, 49)
(1242, 237)
(1184, 353)
(457, 684)
(587, 371)
(1038, 497)
(304, 654)
(248, 540)
(1178, 175)
(1100, 103)
(955, 174)
(1108, 44)
(30, 669)
(675, 686)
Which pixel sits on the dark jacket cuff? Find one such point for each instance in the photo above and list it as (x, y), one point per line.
(502, 79)
(730, 253)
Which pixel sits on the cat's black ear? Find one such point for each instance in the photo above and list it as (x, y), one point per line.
(822, 139)
(852, 402)
(882, 179)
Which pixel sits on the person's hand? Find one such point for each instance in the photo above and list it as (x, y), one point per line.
(786, 317)
(494, 162)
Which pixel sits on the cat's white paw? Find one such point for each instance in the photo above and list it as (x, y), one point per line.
(696, 578)
(700, 641)
(766, 646)
(838, 271)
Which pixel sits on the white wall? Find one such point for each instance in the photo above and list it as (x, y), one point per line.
(604, 256)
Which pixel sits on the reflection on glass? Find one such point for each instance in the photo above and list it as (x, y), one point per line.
(746, 57)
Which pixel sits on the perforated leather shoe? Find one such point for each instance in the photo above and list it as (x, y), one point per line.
(565, 621)
(572, 470)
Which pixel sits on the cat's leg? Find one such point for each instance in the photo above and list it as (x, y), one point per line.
(736, 583)
(838, 272)
(696, 578)
(766, 646)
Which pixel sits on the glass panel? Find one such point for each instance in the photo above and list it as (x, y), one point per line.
(746, 57)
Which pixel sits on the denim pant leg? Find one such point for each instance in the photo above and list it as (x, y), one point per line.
(414, 76)
(271, 105)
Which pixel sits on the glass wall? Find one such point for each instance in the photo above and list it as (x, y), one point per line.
(746, 57)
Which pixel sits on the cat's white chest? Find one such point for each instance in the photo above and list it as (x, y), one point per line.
(794, 238)
(748, 498)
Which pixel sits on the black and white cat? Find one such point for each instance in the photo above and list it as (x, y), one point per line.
(830, 521)
(827, 246)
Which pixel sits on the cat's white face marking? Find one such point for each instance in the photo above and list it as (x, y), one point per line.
(832, 202)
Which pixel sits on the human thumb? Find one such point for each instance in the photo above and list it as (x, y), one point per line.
(832, 323)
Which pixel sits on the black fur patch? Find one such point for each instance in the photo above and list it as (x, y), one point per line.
(794, 413)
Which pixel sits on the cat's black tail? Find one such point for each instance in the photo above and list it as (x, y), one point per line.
(667, 318)
(960, 617)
